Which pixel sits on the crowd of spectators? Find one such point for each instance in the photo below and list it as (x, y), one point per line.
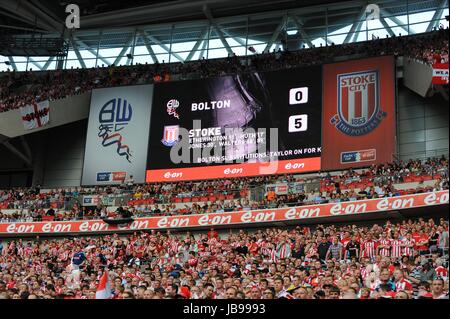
(402, 260)
(162, 199)
(21, 88)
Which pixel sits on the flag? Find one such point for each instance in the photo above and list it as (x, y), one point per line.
(283, 251)
(104, 287)
(285, 295)
(35, 115)
(440, 73)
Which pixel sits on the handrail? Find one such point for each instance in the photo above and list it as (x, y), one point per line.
(299, 214)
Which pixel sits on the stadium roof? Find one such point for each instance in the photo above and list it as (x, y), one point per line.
(50, 15)
(184, 30)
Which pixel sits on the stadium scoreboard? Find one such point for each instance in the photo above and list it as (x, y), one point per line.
(298, 120)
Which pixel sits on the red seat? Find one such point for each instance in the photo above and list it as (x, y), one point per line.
(195, 199)
(177, 200)
(186, 200)
(408, 179)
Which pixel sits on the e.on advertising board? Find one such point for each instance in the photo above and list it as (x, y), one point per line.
(358, 113)
(235, 218)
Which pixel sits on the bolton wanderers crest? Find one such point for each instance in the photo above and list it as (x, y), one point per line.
(172, 106)
(358, 103)
(114, 116)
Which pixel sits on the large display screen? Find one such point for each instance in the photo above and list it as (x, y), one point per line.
(359, 113)
(117, 138)
(241, 125)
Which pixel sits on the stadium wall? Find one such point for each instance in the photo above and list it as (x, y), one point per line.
(422, 125)
(57, 158)
(14, 172)
(64, 152)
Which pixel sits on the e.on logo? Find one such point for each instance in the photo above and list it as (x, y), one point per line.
(92, 227)
(436, 198)
(346, 209)
(56, 228)
(214, 220)
(170, 175)
(166, 222)
(233, 171)
(290, 166)
(12, 228)
(251, 217)
(294, 213)
(396, 203)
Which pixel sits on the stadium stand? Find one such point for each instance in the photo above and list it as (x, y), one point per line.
(403, 261)
(202, 197)
(375, 231)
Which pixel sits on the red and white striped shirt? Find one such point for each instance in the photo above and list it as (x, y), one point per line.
(397, 248)
(273, 255)
(164, 260)
(385, 252)
(174, 247)
(403, 285)
(369, 248)
(407, 250)
(364, 273)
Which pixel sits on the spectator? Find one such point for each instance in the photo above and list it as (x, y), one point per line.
(335, 250)
(437, 289)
